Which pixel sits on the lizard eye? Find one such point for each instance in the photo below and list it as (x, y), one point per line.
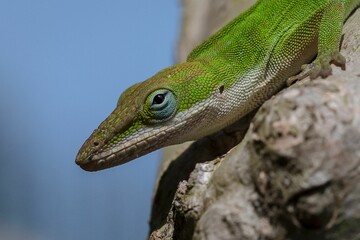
(158, 99)
(162, 105)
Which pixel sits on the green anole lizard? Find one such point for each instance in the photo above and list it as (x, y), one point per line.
(223, 79)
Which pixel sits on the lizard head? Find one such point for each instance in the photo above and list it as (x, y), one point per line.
(166, 109)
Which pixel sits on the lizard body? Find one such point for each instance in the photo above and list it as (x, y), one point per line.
(223, 79)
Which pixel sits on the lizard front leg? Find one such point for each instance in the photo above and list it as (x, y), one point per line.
(329, 37)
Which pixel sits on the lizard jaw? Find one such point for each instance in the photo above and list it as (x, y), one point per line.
(121, 153)
(185, 126)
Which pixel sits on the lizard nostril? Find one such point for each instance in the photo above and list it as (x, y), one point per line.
(96, 143)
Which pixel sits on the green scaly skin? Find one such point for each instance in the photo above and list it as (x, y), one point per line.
(227, 76)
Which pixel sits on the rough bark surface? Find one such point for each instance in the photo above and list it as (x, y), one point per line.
(293, 174)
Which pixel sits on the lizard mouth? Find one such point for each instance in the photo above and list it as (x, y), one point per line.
(88, 164)
(93, 164)
(96, 162)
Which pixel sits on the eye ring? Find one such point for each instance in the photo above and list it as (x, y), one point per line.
(162, 105)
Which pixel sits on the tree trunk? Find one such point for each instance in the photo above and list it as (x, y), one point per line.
(293, 174)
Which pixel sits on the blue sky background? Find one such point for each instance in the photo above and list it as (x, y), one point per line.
(63, 64)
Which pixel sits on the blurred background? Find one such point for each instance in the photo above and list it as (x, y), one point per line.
(63, 65)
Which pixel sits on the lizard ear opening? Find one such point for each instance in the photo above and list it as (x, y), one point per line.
(221, 89)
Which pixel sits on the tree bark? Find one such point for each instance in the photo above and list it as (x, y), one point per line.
(293, 174)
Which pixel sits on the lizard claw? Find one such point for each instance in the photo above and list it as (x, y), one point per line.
(319, 67)
(306, 70)
(339, 60)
